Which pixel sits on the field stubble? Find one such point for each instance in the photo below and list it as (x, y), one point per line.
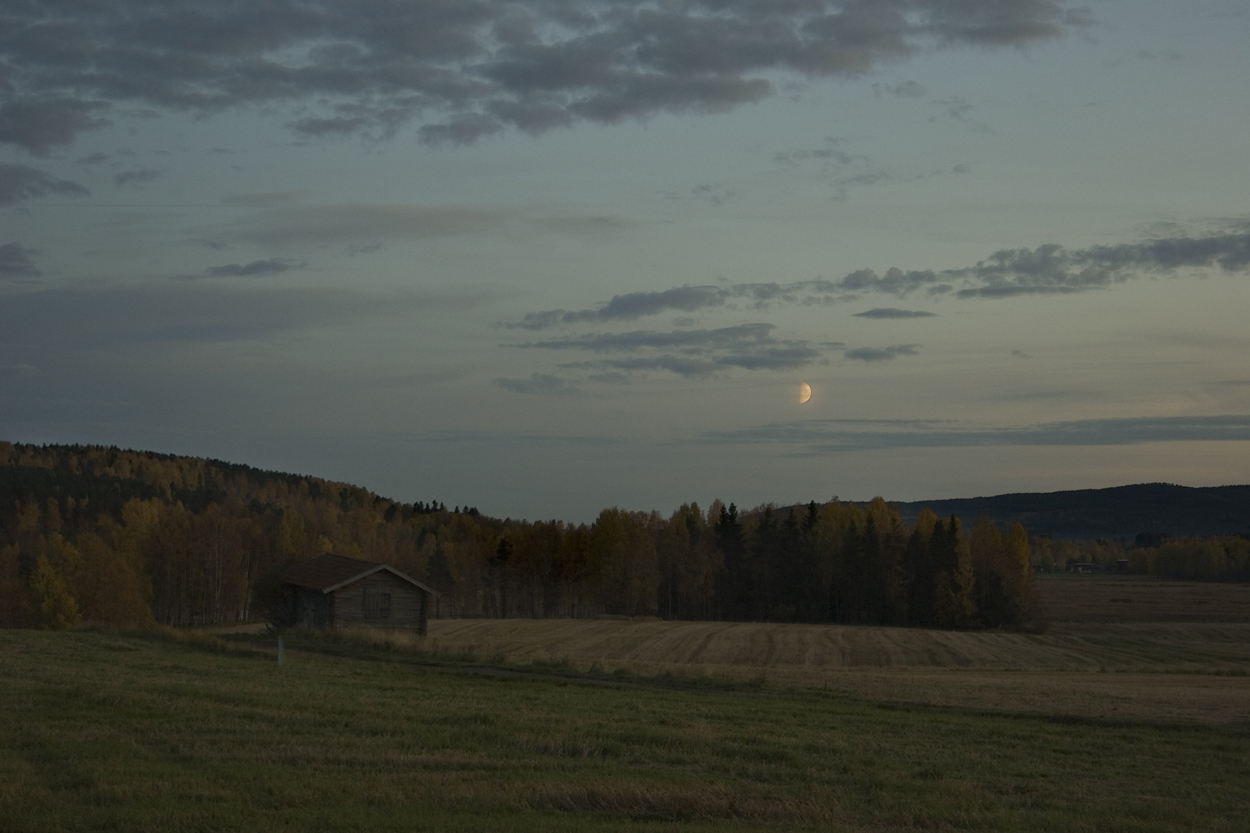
(1115, 648)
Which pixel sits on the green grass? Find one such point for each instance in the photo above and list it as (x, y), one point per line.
(127, 732)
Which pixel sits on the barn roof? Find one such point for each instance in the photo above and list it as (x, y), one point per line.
(328, 572)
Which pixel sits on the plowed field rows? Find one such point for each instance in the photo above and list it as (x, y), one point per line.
(1215, 648)
(1149, 657)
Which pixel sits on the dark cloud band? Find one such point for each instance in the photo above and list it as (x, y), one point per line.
(854, 435)
(538, 384)
(894, 312)
(18, 182)
(1049, 269)
(467, 68)
(1052, 270)
(697, 354)
(883, 354)
(15, 262)
(255, 269)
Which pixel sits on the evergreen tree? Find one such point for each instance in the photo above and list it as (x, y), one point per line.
(733, 600)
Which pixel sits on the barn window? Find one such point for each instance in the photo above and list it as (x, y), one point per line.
(377, 605)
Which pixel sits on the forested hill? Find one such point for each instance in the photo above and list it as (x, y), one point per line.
(122, 536)
(1122, 512)
(90, 481)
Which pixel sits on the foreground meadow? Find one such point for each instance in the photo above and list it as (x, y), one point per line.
(131, 732)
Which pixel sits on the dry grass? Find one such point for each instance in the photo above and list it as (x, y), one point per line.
(817, 649)
(1150, 657)
(110, 731)
(1168, 672)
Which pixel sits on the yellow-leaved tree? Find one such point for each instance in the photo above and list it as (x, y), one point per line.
(57, 606)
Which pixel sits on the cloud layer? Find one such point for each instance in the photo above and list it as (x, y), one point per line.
(689, 353)
(893, 312)
(1051, 269)
(15, 262)
(466, 68)
(18, 182)
(635, 305)
(180, 312)
(862, 435)
(255, 269)
(1047, 270)
(322, 224)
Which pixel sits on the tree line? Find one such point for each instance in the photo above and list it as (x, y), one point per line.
(119, 536)
(1224, 558)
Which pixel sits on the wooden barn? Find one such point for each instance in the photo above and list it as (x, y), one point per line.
(331, 591)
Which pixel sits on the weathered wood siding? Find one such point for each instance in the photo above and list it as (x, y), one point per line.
(310, 608)
(408, 608)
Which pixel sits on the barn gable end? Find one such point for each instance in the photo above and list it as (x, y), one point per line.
(334, 590)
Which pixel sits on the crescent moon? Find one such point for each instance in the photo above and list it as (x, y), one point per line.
(805, 392)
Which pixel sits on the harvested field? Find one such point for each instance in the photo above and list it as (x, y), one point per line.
(1104, 599)
(1162, 670)
(817, 649)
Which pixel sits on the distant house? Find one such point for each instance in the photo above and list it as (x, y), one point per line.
(1084, 567)
(331, 591)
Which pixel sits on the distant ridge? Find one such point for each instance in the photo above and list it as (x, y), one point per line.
(87, 473)
(1122, 512)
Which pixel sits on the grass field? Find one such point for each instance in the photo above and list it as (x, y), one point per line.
(116, 732)
(1133, 722)
(1092, 599)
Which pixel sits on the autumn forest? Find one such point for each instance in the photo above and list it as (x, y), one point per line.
(99, 534)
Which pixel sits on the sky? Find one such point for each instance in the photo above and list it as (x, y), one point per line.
(543, 257)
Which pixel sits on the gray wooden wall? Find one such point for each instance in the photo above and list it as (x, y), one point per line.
(408, 603)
